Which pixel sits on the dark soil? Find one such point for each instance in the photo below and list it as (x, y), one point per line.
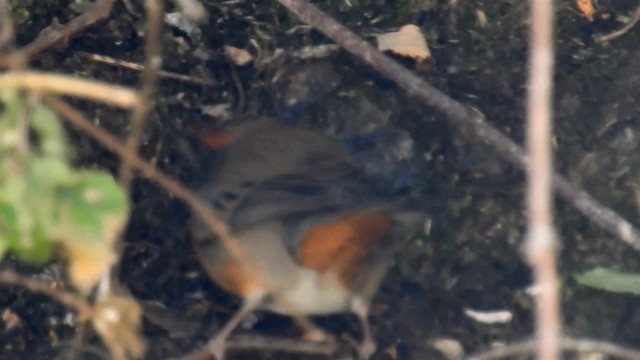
(469, 258)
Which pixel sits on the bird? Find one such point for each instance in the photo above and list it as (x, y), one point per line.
(316, 232)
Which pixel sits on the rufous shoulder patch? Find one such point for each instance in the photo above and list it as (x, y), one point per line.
(217, 139)
(235, 279)
(341, 244)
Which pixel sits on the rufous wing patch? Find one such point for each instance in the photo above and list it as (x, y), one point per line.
(233, 278)
(217, 139)
(341, 244)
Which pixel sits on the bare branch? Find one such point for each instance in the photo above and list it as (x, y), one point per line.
(99, 10)
(269, 343)
(578, 345)
(463, 117)
(540, 242)
(139, 67)
(70, 85)
(625, 29)
(83, 308)
(153, 63)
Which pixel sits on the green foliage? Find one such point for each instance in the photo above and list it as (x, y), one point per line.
(610, 280)
(44, 201)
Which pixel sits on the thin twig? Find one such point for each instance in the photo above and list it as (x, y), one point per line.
(78, 343)
(540, 241)
(151, 173)
(153, 63)
(632, 22)
(7, 30)
(139, 67)
(83, 308)
(99, 10)
(239, 89)
(270, 343)
(70, 85)
(465, 118)
(578, 345)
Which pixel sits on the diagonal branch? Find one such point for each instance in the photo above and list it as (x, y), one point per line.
(463, 117)
(46, 39)
(83, 308)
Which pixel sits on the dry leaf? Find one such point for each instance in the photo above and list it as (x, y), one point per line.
(11, 320)
(218, 111)
(118, 320)
(481, 17)
(238, 57)
(451, 348)
(86, 265)
(586, 8)
(489, 317)
(408, 41)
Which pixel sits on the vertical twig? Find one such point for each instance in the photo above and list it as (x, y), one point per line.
(150, 73)
(540, 242)
(153, 62)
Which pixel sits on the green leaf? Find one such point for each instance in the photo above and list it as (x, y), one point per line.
(32, 244)
(10, 133)
(46, 124)
(611, 280)
(39, 247)
(45, 202)
(8, 227)
(49, 172)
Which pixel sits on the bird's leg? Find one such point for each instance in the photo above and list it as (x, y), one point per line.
(315, 334)
(216, 346)
(368, 346)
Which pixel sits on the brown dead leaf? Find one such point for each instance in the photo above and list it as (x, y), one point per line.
(586, 8)
(392, 351)
(481, 18)
(86, 265)
(11, 320)
(239, 57)
(450, 348)
(89, 261)
(118, 320)
(408, 41)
